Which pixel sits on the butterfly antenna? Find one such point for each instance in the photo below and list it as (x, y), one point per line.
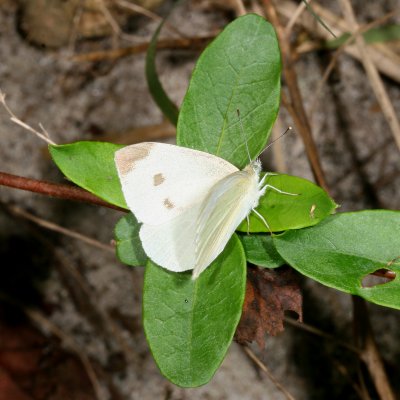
(289, 129)
(243, 134)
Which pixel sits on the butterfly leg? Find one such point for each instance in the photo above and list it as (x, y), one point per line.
(248, 224)
(262, 219)
(267, 174)
(265, 187)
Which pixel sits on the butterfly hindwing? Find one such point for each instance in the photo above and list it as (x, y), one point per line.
(225, 207)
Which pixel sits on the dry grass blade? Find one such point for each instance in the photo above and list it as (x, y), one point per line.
(299, 10)
(264, 368)
(372, 73)
(295, 104)
(150, 14)
(239, 7)
(157, 132)
(369, 352)
(339, 51)
(318, 332)
(195, 43)
(42, 135)
(385, 61)
(57, 228)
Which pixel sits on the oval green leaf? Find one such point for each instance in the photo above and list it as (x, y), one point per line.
(340, 251)
(240, 69)
(309, 205)
(129, 248)
(260, 250)
(91, 166)
(189, 324)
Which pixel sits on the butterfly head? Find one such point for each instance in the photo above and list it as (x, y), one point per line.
(254, 167)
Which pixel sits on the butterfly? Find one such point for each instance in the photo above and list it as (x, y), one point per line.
(189, 202)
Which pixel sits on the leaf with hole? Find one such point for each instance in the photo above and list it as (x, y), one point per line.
(344, 248)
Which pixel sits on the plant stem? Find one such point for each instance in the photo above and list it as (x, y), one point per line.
(53, 189)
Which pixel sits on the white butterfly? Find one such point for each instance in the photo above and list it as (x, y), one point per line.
(190, 202)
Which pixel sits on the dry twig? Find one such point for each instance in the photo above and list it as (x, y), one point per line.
(57, 228)
(53, 190)
(387, 62)
(372, 73)
(150, 14)
(369, 352)
(42, 135)
(265, 369)
(295, 104)
(338, 52)
(196, 43)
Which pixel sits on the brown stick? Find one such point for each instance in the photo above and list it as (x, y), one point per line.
(295, 104)
(196, 43)
(53, 189)
(369, 351)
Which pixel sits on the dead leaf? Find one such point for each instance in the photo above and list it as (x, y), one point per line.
(34, 367)
(269, 293)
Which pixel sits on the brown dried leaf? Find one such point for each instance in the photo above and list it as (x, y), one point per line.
(269, 293)
(33, 367)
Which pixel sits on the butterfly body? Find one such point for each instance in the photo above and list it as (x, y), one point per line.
(190, 202)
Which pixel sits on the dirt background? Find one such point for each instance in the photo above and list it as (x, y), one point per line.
(94, 301)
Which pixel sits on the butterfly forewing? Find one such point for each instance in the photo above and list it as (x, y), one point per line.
(160, 181)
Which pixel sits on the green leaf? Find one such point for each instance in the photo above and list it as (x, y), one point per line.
(281, 211)
(240, 69)
(343, 249)
(189, 324)
(129, 248)
(260, 250)
(91, 166)
(161, 98)
(380, 34)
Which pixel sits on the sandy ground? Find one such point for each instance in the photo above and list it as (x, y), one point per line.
(76, 102)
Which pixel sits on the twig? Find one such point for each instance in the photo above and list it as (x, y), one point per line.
(75, 27)
(46, 325)
(295, 105)
(57, 228)
(150, 14)
(339, 51)
(42, 135)
(53, 189)
(318, 332)
(196, 43)
(369, 351)
(372, 73)
(239, 7)
(277, 149)
(265, 369)
(118, 32)
(299, 10)
(139, 134)
(362, 393)
(386, 61)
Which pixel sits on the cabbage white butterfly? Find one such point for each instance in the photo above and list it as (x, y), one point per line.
(189, 202)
